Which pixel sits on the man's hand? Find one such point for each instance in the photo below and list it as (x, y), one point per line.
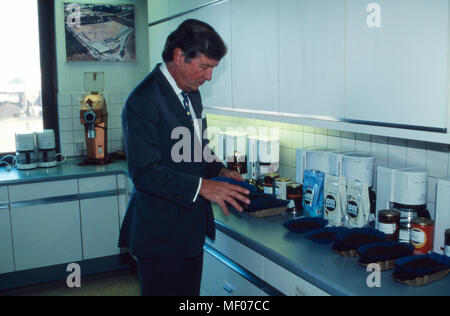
(222, 193)
(226, 173)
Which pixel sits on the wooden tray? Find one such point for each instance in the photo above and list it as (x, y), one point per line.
(268, 212)
(350, 254)
(426, 279)
(384, 265)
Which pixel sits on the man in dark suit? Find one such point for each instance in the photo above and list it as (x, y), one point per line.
(170, 211)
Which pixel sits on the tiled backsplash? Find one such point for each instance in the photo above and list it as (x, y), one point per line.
(73, 142)
(388, 151)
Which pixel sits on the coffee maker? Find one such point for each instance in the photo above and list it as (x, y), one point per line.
(94, 117)
(326, 160)
(46, 149)
(404, 190)
(263, 155)
(26, 156)
(232, 150)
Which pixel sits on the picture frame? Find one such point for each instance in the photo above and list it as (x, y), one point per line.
(100, 32)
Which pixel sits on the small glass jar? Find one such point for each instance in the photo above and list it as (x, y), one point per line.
(281, 187)
(447, 243)
(389, 223)
(269, 182)
(294, 193)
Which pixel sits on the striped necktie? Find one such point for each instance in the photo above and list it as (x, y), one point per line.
(186, 105)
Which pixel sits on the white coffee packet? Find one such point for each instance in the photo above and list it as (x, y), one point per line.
(357, 211)
(334, 200)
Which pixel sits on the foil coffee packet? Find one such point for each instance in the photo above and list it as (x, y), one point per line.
(357, 210)
(335, 200)
(313, 182)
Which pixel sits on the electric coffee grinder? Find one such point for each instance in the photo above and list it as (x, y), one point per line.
(94, 117)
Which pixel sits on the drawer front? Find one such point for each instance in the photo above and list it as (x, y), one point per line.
(6, 250)
(244, 256)
(100, 227)
(42, 190)
(287, 282)
(3, 195)
(121, 181)
(98, 184)
(46, 235)
(220, 280)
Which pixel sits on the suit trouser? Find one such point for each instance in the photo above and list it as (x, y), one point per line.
(170, 277)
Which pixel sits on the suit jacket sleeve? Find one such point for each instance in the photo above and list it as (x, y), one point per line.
(140, 120)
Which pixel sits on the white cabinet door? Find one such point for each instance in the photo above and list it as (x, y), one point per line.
(255, 84)
(97, 184)
(157, 39)
(217, 92)
(6, 250)
(220, 280)
(312, 48)
(46, 235)
(397, 73)
(236, 251)
(42, 190)
(287, 282)
(160, 9)
(100, 227)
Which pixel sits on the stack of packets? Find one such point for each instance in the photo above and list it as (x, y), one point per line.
(330, 197)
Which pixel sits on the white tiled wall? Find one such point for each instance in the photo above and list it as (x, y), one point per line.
(72, 135)
(388, 151)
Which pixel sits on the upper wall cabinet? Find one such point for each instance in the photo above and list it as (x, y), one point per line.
(160, 9)
(255, 84)
(217, 92)
(312, 57)
(397, 62)
(157, 39)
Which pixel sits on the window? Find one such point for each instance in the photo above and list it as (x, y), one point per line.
(26, 69)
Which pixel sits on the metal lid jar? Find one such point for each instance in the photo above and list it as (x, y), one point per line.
(447, 243)
(389, 223)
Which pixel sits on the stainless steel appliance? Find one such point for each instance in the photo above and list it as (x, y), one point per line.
(263, 155)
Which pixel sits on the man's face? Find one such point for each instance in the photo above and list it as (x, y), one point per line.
(194, 73)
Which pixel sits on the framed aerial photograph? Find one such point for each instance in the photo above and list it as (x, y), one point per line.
(100, 32)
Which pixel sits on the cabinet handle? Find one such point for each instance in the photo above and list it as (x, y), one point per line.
(298, 292)
(228, 289)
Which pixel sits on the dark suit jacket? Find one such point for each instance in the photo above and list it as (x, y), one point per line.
(162, 221)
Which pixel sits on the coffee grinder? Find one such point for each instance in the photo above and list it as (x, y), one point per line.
(94, 117)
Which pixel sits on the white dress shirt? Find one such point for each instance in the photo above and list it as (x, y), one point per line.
(178, 92)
